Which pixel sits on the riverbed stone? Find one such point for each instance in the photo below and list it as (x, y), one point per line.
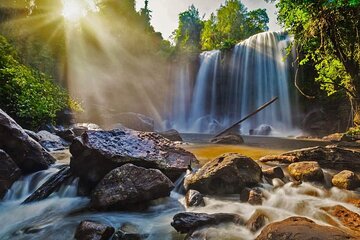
(306, 171)
(331, 157)
(348, 218)
(28, 154)
(282, 159)
(188, 222)
(257, 220)
(227, 174)
(51, 142)
(129, 231)
(346, 180)
(172, 135)
(194, 198)
(301, 228)
(89, 230)
(273, 172)
(9, 173)
(130, 186)
(95, 153)
(228, 139)
(135, 121)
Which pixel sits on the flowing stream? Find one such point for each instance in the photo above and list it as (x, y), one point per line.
(227, 88)
(58, 216)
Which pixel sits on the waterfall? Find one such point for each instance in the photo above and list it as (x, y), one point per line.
(229, 87)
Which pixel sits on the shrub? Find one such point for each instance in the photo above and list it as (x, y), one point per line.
(26, 94)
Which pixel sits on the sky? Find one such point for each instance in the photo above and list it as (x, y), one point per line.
(165, 12)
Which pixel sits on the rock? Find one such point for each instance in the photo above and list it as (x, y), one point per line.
(129, 231)
(228, 139)
(255, 197)
(227, 174)
(32, 134)
(194, 198)
(188, 222)
(348, 218)
(136, 121)
(354, 201)
(28, 154)
(50, 186)
(256, 221)
(337, 137)
(262, 130)
(279, 158)
(172, 135)
(66, 134)
(80, 128)
(9, 173)
(329, 157)
(306, 171)
(273, 172)
(88, 230)
(129, 186)
(51, 142)
(300, 228)
(95, 153)
(346, 180)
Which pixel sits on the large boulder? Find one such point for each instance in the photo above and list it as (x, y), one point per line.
(194, 198)
(188, 222)
(28, 154)
(88, 230)
(346, 180)
(51, 142)
(172, 135)
(129, 186)
(95, 153)
(9, 173)
(306, 171)
(136, 121)
(300, 228)
(329, 157)
(348, 218)
(227, 174)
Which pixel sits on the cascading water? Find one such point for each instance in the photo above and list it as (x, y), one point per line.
(227, 89)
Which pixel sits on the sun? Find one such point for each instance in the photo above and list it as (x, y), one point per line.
(74, 10)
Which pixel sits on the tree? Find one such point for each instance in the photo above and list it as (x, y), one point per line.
(231, 24)
(327, 33)
(187, 35)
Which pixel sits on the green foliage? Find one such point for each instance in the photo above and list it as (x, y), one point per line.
(187, 35)
(326, 32)
(232, 24)
(28, 95)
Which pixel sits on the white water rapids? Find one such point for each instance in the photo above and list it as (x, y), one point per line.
(58, 216)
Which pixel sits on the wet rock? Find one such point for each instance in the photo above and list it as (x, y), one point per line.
(136, 121)
(9, 173)
(50, 186)
(300, 228)
(66, 134)
(228, 139)
(88, 230)
(172, 135)
(276, 182)
(194, 198)
(28, 154)
(262, 130)
(255, 197)
(337, 137)
(306, 171)
(256, 221)
(80, 128)
(273, 172)
(188, 222)
(348, 218)
(227, 174)
(346, 180)
(279, 158)
(130, 186)
(129, 231)
(354, 201)
(329, 157)
(95, 153)
(32, 134)
(51, 142)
